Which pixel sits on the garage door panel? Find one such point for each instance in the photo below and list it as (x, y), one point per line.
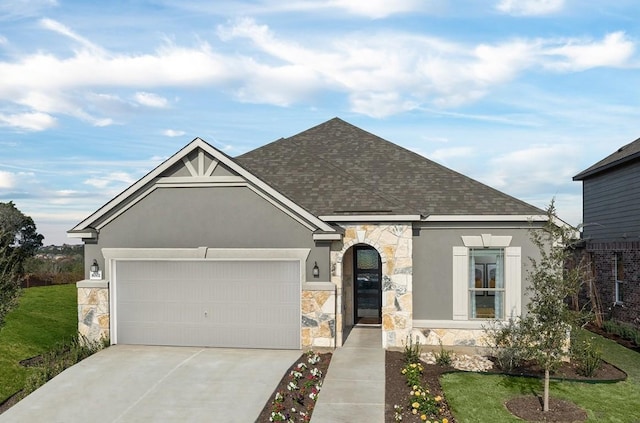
(209, 303)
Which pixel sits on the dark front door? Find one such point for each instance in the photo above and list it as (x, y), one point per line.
(368, 285)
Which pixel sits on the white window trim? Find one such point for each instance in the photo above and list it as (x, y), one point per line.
(486, 241)
(512, 275)
(617, 284)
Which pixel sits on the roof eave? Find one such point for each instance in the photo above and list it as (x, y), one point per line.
(487, 218)
(371, 218)
(590, 172)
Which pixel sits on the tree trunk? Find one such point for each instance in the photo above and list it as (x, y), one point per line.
(545, 406)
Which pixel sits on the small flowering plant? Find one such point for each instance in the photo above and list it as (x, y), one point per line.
(413, 373)
(421, 404)
(304, 381)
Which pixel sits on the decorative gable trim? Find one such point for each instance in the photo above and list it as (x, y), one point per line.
(200, 177)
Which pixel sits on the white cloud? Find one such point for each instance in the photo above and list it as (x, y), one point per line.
(7, 179)
(614, 50)
(16, 9)
(58, 27)
(173, 133)
(377, 9)
(50, 85)
(31, 121)
(530, 7)
(380, 104)
(117, 179)
(380, 73)
(151, 99)
(277, 85)
(545, 165)
(373, 9)
(391, 72)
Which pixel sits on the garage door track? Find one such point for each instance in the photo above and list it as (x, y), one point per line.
(128, 383)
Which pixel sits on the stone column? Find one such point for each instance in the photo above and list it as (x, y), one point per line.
(93, 310)
(318, 315)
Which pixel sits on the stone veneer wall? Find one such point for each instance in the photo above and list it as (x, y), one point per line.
(394, 244)
(93, 310)
(450, 337)
(318, 316)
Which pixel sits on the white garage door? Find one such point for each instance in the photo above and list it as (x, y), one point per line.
(239, 304)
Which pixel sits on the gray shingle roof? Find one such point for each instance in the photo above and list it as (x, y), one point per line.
(337, 168)
(623, 155)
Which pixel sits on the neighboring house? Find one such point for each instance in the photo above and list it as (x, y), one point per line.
(291, 244)
(611, 232)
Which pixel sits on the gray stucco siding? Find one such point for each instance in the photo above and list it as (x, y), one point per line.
(214, 217)
(612, 204)
(433, 265)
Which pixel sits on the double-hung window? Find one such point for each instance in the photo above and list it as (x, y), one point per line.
(486, 283)
(486, 278)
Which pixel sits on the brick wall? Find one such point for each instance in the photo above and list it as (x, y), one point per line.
(602, 257)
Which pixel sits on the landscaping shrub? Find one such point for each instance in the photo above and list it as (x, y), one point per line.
(609, 326)
(412, 351)
(506, 343)
(443, 357)
(585, 354)
(623, 330)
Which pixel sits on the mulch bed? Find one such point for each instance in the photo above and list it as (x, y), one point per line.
(289, 400)
(397, 391)
(568, 372)
(529, 408)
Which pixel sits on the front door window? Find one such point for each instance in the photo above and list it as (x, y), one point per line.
(368, 285)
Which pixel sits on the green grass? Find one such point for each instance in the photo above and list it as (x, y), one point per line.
(45, 316)
(480, 398)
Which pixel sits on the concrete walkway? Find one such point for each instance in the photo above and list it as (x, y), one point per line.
(353, 389)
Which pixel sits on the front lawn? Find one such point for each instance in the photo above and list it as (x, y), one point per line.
(477, 397)
(46, 316)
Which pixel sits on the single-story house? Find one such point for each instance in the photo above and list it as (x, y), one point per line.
(293, 243)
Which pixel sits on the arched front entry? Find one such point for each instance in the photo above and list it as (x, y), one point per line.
(362, 283)
(391, 247)
(367, 285)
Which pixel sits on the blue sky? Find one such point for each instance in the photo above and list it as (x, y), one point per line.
(518, 94)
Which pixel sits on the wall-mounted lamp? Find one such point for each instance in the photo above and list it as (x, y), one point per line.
(94, 271)
(316, 270)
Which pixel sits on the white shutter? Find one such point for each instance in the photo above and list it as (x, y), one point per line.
(460, 283)
(513, 282)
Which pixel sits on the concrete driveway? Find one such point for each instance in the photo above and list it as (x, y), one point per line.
(129, 383)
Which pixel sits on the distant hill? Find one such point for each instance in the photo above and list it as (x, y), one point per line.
(62, 250)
